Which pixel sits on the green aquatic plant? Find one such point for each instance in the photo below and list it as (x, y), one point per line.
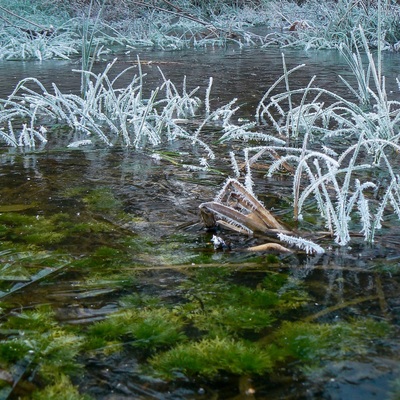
(147, 328)
(61, 389)
(32, 229)
(35, 347)
(36, 336)
(156, 329)
(105, 336)
(221, 308)
(314, 342)
(136, 300)
(108, 267)
(22, 265)
(210, 357)
(12, 351)
(235, 319)
(44, 231)
(38, 320)
(106, 274)
(102, 200)
(111, 280)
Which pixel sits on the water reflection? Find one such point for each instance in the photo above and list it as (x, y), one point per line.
(245, 73)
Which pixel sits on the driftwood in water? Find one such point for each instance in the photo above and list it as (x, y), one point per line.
(270, 247)
(237, 209)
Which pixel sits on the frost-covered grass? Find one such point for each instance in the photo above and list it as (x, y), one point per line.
(354, 186)
(181, 24)
(106, 113)
(327, 25)
(346, 162)
(345, 183)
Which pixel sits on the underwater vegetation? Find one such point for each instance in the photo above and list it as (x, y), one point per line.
(148, 329)
(180, 311)
(194, 337)
(90, 281)
(218, 307)
(208, 357)
(33, 339)
(313, 342)
(35, 245)
(62, 389)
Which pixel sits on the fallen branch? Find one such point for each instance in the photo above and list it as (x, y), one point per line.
(22, 18)
(178, 13)
(239, 210)
(235, 208)
(340, 306)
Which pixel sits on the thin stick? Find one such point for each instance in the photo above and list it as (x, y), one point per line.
(381, 295)
(179, 14)
(242, 265)
(340, 306)
(23, 19)
(44, 273)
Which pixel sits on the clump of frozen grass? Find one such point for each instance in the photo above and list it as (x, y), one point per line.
(316, 25)
(143, 25)
(171, 30)
(17, 15)
(36, 31)
(340, 187)
(16, 45)
(342, 183)
(115, 115)
(320, 112)
(179, 25)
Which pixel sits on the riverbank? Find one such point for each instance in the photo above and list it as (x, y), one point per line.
(37, 30)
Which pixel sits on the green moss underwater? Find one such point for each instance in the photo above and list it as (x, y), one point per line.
(218, 328)
(209, 322)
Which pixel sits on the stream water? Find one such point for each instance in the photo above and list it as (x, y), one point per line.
(88, 232)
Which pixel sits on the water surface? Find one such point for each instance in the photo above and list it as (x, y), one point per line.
(117, 225)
